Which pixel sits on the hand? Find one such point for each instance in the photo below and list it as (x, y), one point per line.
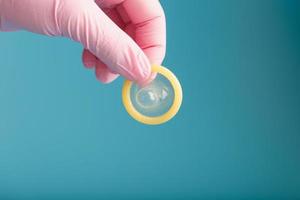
(119, 36)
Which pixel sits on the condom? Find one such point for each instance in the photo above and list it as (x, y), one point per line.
(155, 103)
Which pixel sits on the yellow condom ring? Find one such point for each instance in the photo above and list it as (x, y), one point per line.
(158, 119)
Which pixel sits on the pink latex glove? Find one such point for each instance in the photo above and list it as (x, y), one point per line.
(119, 36)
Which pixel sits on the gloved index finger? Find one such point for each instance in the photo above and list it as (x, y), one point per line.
(149, 20)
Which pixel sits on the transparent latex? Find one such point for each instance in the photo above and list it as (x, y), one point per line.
(155, 99)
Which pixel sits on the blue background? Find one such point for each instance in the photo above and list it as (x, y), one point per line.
(65, 135)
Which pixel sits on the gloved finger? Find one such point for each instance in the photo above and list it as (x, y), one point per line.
(103, 73)
(88, 59)
(86, 23)
(112, 11)
(150, 26)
